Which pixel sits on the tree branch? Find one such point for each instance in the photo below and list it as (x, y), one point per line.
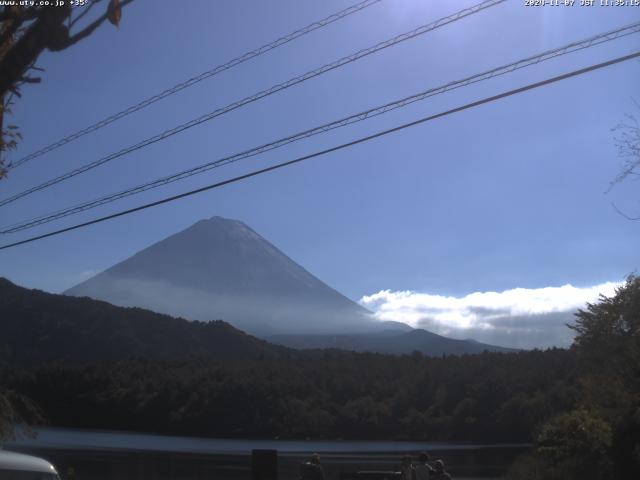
(88, 30)
(47, 29)
(8, 13)
(620, 212)
(11, 25)
(30, 79)
(84, 12)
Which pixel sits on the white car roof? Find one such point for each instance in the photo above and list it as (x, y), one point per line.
(28, 463)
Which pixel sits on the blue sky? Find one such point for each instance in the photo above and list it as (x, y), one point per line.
(507, 195)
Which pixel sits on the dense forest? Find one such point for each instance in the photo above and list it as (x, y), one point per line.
(580, 407)
(327, 394)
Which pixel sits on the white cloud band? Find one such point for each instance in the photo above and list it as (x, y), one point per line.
(518, 317)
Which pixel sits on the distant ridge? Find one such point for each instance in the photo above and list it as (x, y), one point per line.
(389, 341)
(221, 268)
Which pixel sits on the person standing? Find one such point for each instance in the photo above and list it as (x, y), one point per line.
(422, 468)
(312, 470)
(406, 468)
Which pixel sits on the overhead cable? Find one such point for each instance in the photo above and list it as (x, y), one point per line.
(254, 173)
(354, 118)
(253, 98)
(196, 79)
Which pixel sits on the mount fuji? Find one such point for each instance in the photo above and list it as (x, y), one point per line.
(222, 269)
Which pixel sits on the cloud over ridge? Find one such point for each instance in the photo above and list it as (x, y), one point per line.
(518, 317)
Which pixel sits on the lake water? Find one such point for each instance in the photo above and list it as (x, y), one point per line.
(98, 455)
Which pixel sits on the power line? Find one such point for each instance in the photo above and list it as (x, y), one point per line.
(254, 173)
(197, 79)
(264, 93)
(358, 117)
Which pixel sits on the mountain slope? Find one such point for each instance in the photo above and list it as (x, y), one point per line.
(38, 327)
(389, 341)
(221, 268)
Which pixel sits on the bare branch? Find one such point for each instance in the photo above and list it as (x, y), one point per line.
(620, 212)
(84, 12)
(30, 79)
(89, 29)
(627, 141)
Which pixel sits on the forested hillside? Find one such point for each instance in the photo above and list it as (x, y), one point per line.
(40, 327)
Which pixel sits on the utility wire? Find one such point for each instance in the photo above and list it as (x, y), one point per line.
(197, 79)
(264, 93)
(254, 173)
(358, 117)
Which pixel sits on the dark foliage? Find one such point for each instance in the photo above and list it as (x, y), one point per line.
(317, 394)
(600, 438)
(39, 327)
